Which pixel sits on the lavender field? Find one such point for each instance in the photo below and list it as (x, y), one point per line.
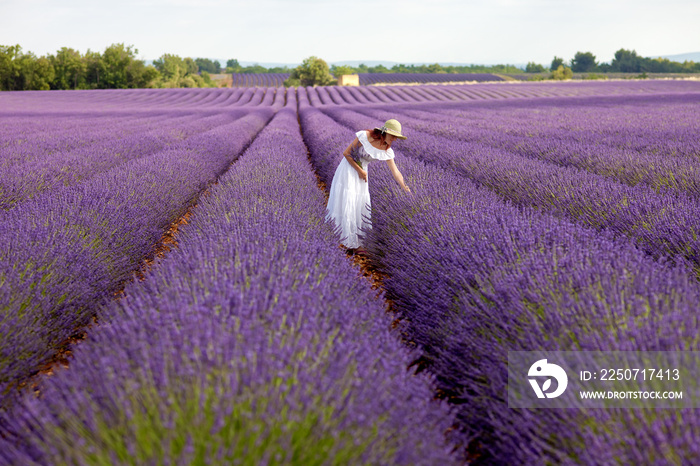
(366, 79)
(542, 216)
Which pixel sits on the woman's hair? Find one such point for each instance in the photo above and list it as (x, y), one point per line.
(376, 134)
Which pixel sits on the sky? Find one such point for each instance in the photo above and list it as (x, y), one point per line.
(406, 31)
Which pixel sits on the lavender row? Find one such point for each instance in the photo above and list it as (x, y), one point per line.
(21, 133)
(593, 134)
(366, 79)
(139, 100)
(65, 251)
(661, 223)
(57, 132)
(663, 123)
(115, 145)
(375, 78)
(456, 94)
(234, 348)
(135, 100)
(474, 277)
(259, 79)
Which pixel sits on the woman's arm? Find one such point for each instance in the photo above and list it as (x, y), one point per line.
(362, 174)
(397, 175)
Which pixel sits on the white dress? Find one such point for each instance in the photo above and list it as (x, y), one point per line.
(348, 203)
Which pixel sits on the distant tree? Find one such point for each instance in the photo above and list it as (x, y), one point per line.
(70, 69)
(95, 70)
(37, 73)
(170, 67)
(207, 79)
(533, 67)
(378, 69)
(362, 68)
(583, 62)
(232, 66)
(10, 67)
(121, 69)
(556, 63)
(253, 69)
(341, 70)
(400, 68)
(116, 60)
(435, 68)
(604, 67)
(279, 69)
(562, 73)
(190, 66)
(313, 71)
(626, 61)
(179, 72)
(210, 66)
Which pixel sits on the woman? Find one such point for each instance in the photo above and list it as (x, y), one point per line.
(349, 203)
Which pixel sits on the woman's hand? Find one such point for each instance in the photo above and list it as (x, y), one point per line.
(406, 188)
(362, 174)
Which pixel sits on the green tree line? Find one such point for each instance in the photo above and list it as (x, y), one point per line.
(624, 61)
(116, 68)
(232, 66)
(434, 68)
(315, 71)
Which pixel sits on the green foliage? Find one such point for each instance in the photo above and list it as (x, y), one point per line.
(69, 69)
(380, 69)
(437, 68)
(556, 63)
(278, 69)
(9, 66)
(341, 70)
(626, 61)
(562, 73)
(312, 72)
(232, 66)
(210, 66)
(122, 70)
(593, 76)
(178, 72)
(253, 69)
(19, 71)
(116, 68)
(533, 67)
(583, 62)
(207, 79)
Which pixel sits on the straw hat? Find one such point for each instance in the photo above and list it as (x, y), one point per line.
(392, 127)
